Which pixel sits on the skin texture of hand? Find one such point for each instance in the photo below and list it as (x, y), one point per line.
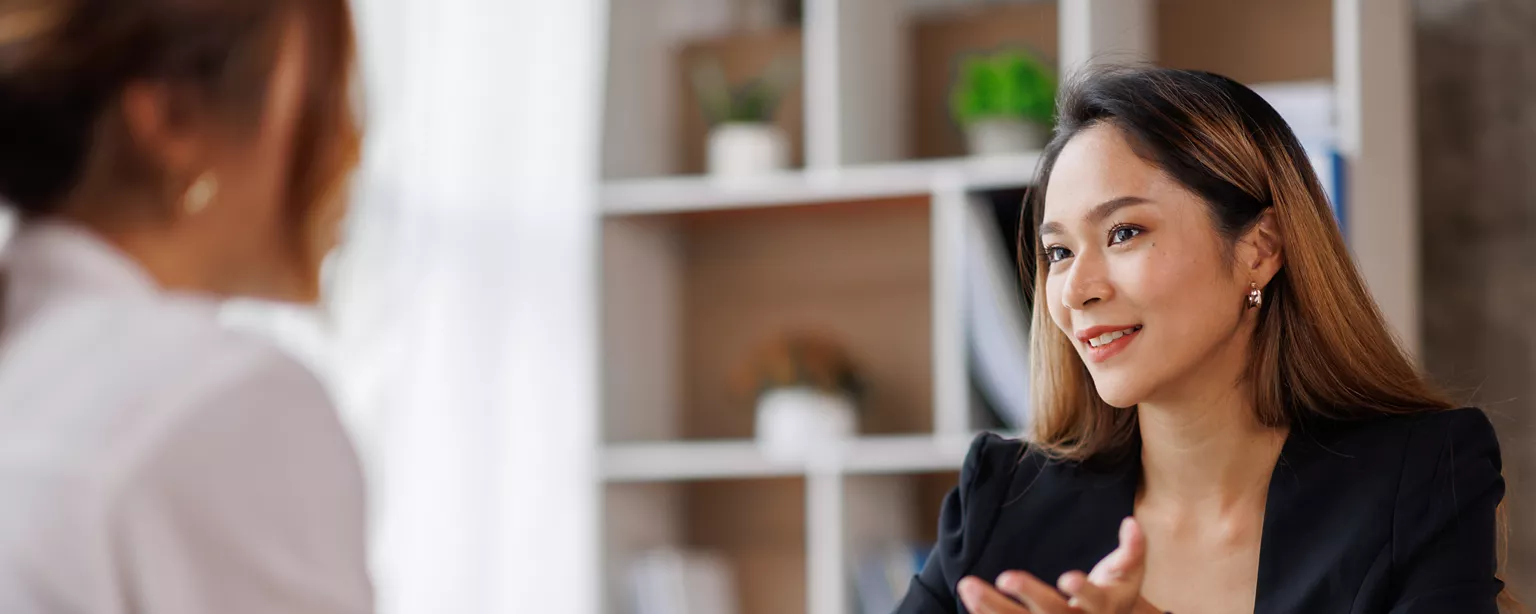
(1112, 587)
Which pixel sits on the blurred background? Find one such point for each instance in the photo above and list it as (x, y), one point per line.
(692, 306)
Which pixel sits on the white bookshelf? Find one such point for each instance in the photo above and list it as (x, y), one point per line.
(671, 461)
(852, 183)
(694, 267)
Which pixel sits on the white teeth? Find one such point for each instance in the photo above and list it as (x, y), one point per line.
(1111, 336)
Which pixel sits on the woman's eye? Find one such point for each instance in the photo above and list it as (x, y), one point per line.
(1123, 234)
(1056, 254)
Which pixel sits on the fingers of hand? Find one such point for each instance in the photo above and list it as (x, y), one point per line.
(1085, 595)
(1125, 564)
(1133, 542)
(1039, 596)
(981, 598)
(1115, 580)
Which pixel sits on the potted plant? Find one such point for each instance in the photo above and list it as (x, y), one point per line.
(806, 391)
(1005, 102)
(743, 139)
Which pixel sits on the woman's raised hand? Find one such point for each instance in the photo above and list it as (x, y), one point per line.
(1112, 587)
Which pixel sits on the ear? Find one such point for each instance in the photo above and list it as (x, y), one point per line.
(1260, 252)
(163, 124)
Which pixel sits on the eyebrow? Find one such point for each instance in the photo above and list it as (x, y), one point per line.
(1098, 213)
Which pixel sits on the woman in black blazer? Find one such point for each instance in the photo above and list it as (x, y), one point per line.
(1222, 421)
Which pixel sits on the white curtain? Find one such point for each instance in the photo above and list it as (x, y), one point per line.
(460, 329)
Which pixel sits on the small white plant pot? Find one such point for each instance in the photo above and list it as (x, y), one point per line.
(795, 423)
(746, 149)
(1005, 135)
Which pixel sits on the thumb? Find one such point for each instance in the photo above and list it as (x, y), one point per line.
(1133, 548)
(1128, 562)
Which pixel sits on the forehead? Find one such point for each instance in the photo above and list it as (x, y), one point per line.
(1096, 166)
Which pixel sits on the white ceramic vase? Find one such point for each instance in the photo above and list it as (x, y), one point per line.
(1005, 135)
(794, 423)
(741, 149)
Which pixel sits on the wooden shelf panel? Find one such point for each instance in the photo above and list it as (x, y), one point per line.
(857, 274)
(1252, 42)
(711, 460)
(855, 183)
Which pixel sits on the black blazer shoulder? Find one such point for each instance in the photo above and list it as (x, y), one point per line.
(1389, 514)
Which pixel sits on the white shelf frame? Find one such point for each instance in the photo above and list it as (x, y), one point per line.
(1373, 69)
(693, 194)
(682, 461)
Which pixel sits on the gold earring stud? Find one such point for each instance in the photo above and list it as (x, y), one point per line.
(1255, 296)
(200, 193)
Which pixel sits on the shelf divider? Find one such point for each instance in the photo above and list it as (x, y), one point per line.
(1099, 31)
(951, 389)
(826, 570)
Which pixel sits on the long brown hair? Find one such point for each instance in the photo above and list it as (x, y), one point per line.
(1321, 346)
(63, 64)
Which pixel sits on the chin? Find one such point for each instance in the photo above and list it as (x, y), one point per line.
(1118, 393)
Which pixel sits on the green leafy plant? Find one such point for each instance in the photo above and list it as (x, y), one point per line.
(755, 100)
(1005, 84)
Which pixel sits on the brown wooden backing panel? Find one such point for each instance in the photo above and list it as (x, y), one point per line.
(1253, 41)
(857, 272)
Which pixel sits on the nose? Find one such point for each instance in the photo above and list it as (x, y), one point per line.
(1086, 283)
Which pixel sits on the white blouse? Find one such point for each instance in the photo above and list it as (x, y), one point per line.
(152, 462)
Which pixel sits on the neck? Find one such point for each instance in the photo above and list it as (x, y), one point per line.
(171, 260)
(1208, 454)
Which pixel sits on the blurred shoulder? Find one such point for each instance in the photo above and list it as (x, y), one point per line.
(156, 365)
(132, 349)
(118, 386)
(233, 400)
(226, 370)
(187, 333)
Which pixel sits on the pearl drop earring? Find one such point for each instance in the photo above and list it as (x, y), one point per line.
(200, 193)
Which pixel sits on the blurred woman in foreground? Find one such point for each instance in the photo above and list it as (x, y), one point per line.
(163, 155)
(1222, 421)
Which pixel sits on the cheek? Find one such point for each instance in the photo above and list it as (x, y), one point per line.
(1184, 295)
(1059, 313)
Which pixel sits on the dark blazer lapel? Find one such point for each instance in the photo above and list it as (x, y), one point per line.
(1326, 498)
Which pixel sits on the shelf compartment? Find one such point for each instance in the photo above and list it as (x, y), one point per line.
(753, 531)
(942, 38)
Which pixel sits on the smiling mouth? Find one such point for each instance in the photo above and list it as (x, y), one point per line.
(1110, 337)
